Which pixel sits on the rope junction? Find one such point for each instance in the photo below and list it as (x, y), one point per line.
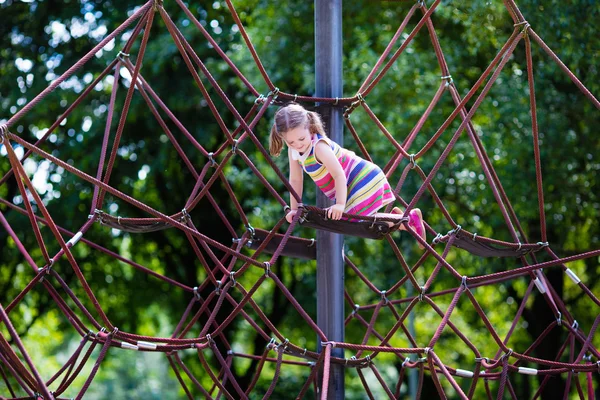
(224, 274)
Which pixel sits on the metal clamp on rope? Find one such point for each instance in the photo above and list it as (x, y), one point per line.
(232, 277)
(383, 297)
(437, 239)
(274, 93)
(234, 148)
(355, 310)
(121, 56)
(252, 233)
(218, 289)
(406, 360)
(448, 79)
(271, 343)
(413, 163)
(284, 344)
(422, 293)
(250, 230)
(464, 282)
(355, 104)
(260, 99)
(267, 268)
(525, 25)
(209, 339)
(455, 230)
(543, 244)
(185, 216)
(559, 319)
(47, 269)
(212, 159)
(507, 355)
(197, 294)
(575, 325)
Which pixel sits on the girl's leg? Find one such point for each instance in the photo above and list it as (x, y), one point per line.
(415, 221)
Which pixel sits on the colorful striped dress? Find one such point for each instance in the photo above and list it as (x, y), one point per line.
(368, 188)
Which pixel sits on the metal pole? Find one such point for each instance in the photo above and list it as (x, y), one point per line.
(330, 263)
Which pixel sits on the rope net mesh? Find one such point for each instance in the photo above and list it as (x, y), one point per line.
(235, 274)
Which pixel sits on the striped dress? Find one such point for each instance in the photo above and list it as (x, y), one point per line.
(368, 188)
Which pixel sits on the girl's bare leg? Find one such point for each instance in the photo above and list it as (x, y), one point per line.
(415, 221)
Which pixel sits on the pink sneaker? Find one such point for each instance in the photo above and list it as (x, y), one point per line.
(416, 223)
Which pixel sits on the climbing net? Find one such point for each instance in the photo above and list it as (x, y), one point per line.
(228, 268)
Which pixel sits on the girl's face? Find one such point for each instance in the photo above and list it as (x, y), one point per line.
(298, 139)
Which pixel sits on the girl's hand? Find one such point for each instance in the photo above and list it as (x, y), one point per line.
(290, 215)
(335, 211)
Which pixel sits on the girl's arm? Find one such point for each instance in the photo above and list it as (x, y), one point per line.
(296, 180)
(326, 157)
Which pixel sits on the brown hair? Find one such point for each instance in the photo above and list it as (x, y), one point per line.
(290, 117)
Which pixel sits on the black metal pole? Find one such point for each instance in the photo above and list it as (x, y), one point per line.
(330, 262)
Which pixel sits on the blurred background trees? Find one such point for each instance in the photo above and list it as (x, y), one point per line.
(42, 39)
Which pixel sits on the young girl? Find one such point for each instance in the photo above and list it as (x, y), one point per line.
(357, 186)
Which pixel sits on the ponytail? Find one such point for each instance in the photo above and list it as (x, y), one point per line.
(275, 142)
